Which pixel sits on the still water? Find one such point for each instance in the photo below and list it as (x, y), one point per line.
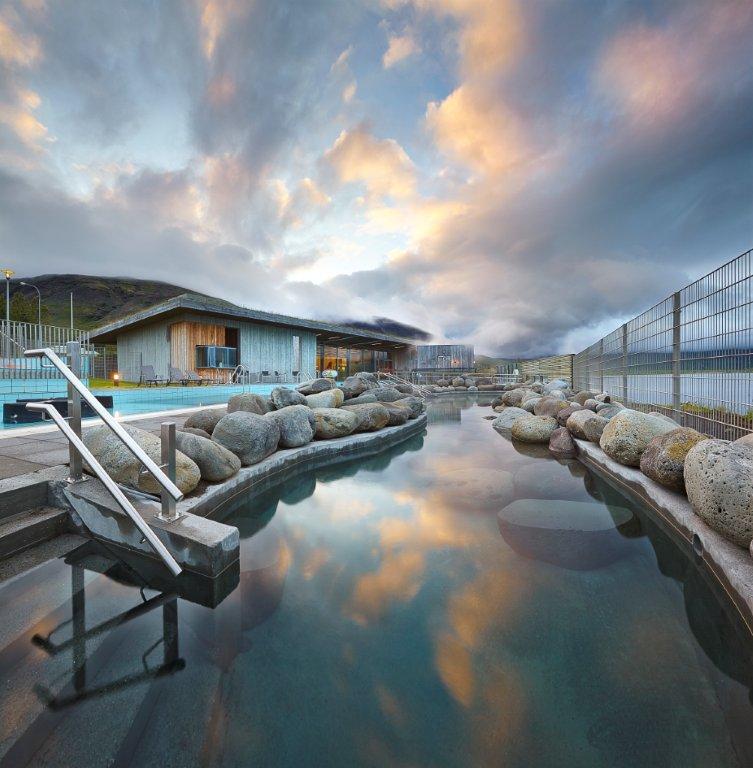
(386, 615)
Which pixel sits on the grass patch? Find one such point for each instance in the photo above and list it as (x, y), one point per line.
(110, 384)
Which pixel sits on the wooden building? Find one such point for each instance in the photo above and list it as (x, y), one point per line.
(213, 337)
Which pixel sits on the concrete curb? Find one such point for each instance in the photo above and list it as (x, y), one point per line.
(731, 565)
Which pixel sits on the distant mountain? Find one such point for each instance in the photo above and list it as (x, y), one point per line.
(100, 300)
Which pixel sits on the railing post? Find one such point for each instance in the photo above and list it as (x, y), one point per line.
(624, 364)
(676, 355)
(74, 412)
(167, 434)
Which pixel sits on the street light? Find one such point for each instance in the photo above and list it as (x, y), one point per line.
(8, 274)
(39, 309)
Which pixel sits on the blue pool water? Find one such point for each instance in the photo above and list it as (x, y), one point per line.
(386, 615)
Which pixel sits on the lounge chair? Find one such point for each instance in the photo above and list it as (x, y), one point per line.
(193, 378)
(263, 375)
(150, 378)
(177, 376)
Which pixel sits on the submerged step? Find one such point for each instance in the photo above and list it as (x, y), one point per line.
(31, 527)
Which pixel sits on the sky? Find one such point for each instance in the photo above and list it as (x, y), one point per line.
(521, 175)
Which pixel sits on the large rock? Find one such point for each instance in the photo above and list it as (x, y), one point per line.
(458, 381)
(249, 436)
(282, 397)
(582, 396)
(315, 385)
(575, 535)
(505, 420)
(556, 384)
(371, 416)
(608, 410)
(664, 457)
(563, 415)
(592, 404)
(366, 397)
(550, 406)
(561, 444)
(367, 376)
(533, 429)
(530, 404)
(415, 404)
(627, 434)
(515, 396)
(296, 424)
(205, 419)
(195, 431)
(334, 422)
(745, 439)
(215, 462)
(248, 402)
(399, 414)
(123, 467)
(354, 386)
(387, 394)
(593, 428)
(330, 398)
(719, 483)
(577, 420)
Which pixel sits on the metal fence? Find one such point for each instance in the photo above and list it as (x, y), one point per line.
(17, 337)
(553, 367)
(689, 356)
(104, 361)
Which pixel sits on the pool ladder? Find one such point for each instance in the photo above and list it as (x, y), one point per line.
(78, 452)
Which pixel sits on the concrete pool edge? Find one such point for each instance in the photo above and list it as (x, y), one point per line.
(732, 566)
(284, 464)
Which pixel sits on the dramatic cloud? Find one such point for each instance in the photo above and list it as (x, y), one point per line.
(520, 175)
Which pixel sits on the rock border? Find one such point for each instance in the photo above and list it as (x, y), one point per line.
(212, 501)
(732, 566)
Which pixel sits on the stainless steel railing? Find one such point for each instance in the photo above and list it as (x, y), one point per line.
(71, 428)
(389, 376)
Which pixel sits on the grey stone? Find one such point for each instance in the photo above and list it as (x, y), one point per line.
(603, 397)
(399, 414)
(550, 406)
(315, 385)
(473, 388)
(561, 444)
(249, 436)
(628, 433)
(593, 428)
(195, 431)
(719, 483)
(582, 396)
(664, 457)
(592, 404)
(215, 462)
(367, 376)
(248, 402)
(563, 415)
(334, 422)
(556, 384)
(330, 398)
(507, 417)
(354, 386)
(576, 422)
(745, 439)
(533, 429)
(387, 394)
(371, 416)
(458, 381)
(515, 396)
(416, 405)
(205, 419)
(125, 468)
(530, 404)
(296, 424)
(282, 397)
(366, 397)
(663, 417)
(608, 410)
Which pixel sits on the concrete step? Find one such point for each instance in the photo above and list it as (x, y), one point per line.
(25, 529)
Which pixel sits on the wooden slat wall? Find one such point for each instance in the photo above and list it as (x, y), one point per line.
(554, 367)
(186, 336)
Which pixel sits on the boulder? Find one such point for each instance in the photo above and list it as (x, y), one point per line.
(558, 393)
(366, 397)
(663, 417)
(458, 381)
(608, 410)
(354, 386)
(593, 428)
(125, 468)
(576, 422)
(296, 424)
(563, 415)
(530, 405)
(315, 385)
(330, 398)
(561, 444)
(443, 383)
(582, 396)
(387, 394)
(367, 376)
(282, 397)
(488, 388)
(592, 404)
(745, 439)
(195, 431)
(248, 402)
(627, 434)
(515, 397)
(507, 418)
(205, 419)
(473, 388)
(483, 380)
(334, 422)
(533, 429)
(399, 414)
(550, 406)
(718, 480)
(603, 397)
(415, 404)
(371, 416)
(538, 388)
(406, 389)
(214, 461)
(664, 457)
(497, 401)
(249, 436)
(556, 384)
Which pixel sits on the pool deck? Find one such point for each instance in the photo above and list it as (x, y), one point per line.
(28, 449)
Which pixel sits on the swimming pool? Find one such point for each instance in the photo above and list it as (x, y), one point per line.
(387, 616)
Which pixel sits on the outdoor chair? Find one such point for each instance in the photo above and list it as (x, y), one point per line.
(296, 376)
(177, 376)
(193, 378)
(263, 375)
(278, 377)
(150, 378)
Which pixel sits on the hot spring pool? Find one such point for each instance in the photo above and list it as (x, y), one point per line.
(387, 616)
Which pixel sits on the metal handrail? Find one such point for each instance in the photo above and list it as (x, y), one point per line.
(139, 453)
(110, 484)
(423, 391)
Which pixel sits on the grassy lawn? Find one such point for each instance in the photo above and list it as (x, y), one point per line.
(110, 384)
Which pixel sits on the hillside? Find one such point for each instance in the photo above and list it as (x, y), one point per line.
(100, 300)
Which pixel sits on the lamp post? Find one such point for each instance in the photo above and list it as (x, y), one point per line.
(8, 274)
(39, 310)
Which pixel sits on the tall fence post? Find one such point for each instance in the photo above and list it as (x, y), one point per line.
(74, 411)
(624, 363)
(601, 365)
(168, 512)
(677, 356)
